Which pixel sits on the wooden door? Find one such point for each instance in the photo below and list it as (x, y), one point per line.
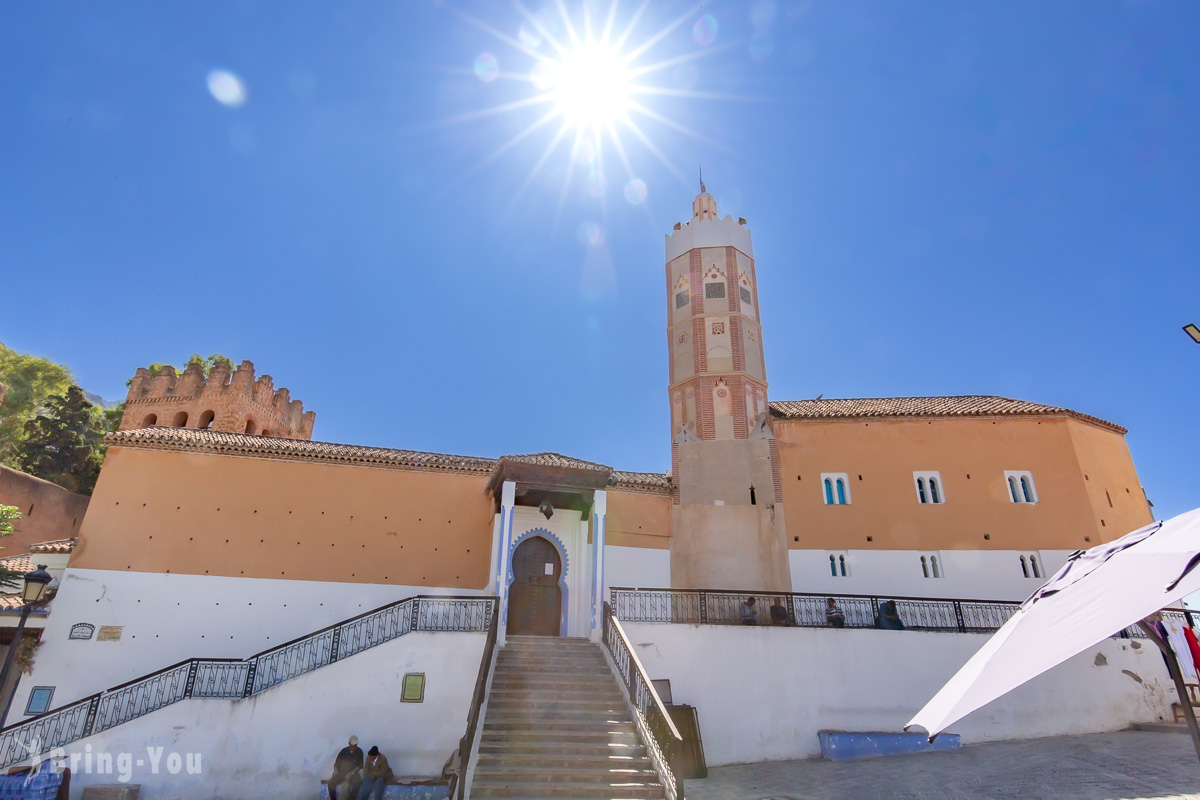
(535, 598)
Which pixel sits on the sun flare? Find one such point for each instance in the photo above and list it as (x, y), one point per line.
(590, 85)
(593, 84)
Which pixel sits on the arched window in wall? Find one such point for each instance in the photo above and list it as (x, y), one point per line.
(924, 567)
(842, 565)
(1031, 565)
(206, 420)
(833, 566)
(836, 487)
(151, 419)
(1024, 567)
(931, 565)
(838, 565)
(929, 486)
(180, 420)
(251, 427)
(1021, 486)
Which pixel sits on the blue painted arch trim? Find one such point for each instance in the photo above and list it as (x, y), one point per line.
(562, 578)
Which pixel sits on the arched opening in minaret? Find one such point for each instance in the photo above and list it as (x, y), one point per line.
(180, 420)
(753, 498)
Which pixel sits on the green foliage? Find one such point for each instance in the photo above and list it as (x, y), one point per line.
(29, 382)
(205, 363)
(8, 578)
(65, 444)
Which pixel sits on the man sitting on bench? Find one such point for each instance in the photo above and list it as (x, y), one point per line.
(347, 767)
(376, 774)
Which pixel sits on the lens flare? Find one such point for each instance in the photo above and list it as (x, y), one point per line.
(226, 88)
(635, 192)
(704, 32)
(486, 67)
(761, 45)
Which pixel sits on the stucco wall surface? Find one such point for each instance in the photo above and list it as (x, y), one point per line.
(49, 511)
(166, 619)
(763, 693)
(636, 566)
(880, 457)
(967, 574)
(198, 513)
(282, 742)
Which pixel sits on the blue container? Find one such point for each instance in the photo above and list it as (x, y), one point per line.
(837, 745)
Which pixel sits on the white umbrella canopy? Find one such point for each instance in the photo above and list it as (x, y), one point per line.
(1097, 594)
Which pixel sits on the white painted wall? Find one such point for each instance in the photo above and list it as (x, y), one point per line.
(636, 566)
(969, 574)
(170, 618)
(282, 743)
(763, 693)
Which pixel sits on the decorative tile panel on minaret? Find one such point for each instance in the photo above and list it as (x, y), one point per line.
(728, 518)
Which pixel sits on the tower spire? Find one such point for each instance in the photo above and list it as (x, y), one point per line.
(702, 189)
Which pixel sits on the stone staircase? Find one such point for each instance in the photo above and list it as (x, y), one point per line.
(557, 725)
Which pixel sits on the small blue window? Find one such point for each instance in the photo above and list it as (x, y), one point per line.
(1012, 487)
(828, 492)
(39, 700)
(832, 567)
(842, 562)
(1026, 489)
(921, 489)
(933, 491)
(841, 487)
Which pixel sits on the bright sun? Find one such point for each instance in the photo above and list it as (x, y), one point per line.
(590, 85)
(590, 77)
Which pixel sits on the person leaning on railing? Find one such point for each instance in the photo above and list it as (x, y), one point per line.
(889, 617)
(749, 615)
(834, 616)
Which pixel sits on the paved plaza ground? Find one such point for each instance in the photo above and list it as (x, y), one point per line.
(1109, 766)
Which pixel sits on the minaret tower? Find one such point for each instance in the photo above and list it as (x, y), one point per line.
(728, 518)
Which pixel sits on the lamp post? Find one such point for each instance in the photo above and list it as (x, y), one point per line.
(1191, 330)
(32, 592)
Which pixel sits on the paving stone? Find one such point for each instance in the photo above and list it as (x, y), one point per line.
(1108, 766)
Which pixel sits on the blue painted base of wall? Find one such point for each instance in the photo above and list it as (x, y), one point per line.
(395, 791)
(836, 745)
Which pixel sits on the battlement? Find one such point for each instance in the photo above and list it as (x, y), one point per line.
(235, 402)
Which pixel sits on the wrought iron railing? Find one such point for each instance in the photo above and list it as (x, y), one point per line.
(467, 744)
(723, 607)
(662, 738)
(808, 610)
(232, 679)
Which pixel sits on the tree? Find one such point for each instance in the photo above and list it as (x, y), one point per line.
(205, 363)
(29, 382)
(65, 444)
(8, 578)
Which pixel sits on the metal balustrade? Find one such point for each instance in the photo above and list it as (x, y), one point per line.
(663, 742)
(807, 610)
(231, 679)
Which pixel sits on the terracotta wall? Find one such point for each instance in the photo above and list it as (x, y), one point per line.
(638, 520)
(880, 457)
(50, 511)
(203, 514)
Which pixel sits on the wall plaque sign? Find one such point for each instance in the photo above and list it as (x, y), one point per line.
(109, 633)
(82, 630)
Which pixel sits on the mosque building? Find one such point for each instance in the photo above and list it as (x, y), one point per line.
(218, 527)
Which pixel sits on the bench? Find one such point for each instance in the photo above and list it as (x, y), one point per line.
(404, 788)
(1193, 690)
(24, 786)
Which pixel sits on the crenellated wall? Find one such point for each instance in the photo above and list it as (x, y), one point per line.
(235, 402)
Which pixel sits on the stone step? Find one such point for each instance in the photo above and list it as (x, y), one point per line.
(633, 790)
(508, 660)
(528, 742)
(539, 759)
(561, 723)
(537, 701)
(573, 731)
(515, 774)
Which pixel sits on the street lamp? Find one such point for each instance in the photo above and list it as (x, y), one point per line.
(1191, 330)
(32, 592)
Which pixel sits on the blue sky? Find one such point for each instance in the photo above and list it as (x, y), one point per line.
(946, 198)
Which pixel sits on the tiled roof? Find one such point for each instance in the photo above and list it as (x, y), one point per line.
(22, 563)
(240, 444)
(651, 482)
(56, 546)
(555, 460)
(237, 444)
(11, 603)
(964, 406)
